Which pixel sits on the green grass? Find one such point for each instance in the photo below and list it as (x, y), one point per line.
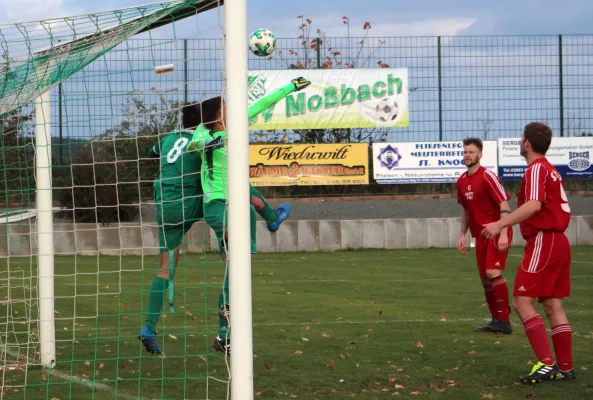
(386, 322)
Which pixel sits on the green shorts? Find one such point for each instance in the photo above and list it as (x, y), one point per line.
(175, 219)
(216, 216)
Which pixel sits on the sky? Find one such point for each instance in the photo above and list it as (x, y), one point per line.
(470, 63)
(388, 17)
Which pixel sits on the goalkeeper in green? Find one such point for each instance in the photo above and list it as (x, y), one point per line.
(178, 198)
(209, 143)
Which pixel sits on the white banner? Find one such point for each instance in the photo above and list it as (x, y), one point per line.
(336, 98)
(572, 157)
(425, 162)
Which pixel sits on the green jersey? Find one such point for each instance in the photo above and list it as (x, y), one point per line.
(179, 172)
(214, 161)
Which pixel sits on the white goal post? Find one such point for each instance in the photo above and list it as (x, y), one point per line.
(238, 208)
(239, 244)
(45, 233)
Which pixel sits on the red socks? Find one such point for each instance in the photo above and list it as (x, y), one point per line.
(500, 299)
(562, 340)
(489, 294)
(535, 329)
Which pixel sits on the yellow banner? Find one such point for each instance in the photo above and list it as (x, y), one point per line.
(309, 164)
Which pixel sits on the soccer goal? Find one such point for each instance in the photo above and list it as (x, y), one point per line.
(82, 101)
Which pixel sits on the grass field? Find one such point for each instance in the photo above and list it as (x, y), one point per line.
(364, 324)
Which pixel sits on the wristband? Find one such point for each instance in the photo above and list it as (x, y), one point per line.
(505, 211)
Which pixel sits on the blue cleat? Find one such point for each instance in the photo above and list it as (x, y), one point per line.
(282, 212)
(149, 340)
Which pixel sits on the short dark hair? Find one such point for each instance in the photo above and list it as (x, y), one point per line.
(209, 111)
(475, 141)
(206, 112)
(539, 135)
(190, 116)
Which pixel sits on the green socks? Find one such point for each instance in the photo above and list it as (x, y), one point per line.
(156, 299)
(223, 305)
(253, 228)
(267, 213)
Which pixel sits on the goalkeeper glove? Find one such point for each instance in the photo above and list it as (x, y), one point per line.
(300, 83)
(214, 143)
(210, 144)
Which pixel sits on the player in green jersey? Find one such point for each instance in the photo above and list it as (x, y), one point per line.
(178, 197)
(209, 143)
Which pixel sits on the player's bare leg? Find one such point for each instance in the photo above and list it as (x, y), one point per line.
(273, 218)
(561, 337)
(535, 330)
(156, 300)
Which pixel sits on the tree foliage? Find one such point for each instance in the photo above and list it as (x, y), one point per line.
(315, 52)
(17, 184)
(110, 175)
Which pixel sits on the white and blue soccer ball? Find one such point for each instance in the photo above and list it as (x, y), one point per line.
(262, 42)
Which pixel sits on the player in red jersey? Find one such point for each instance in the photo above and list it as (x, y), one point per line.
(484, 200)
(544, 274)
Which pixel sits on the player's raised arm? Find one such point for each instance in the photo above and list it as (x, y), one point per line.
(271, 99)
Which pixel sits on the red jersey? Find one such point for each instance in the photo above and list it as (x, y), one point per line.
(480, 194)
(543, 182)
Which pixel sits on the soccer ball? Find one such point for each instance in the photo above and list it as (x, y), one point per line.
(386, 110)
(262, 42)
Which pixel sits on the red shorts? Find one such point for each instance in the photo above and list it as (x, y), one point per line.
(545, 267)
(488, 256)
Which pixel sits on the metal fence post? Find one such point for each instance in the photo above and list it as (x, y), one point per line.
(185, 73)
(318, 48)
(561, 85)
(440, 85)
(60, 123)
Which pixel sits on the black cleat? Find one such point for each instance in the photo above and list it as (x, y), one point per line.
(566, 375)
(222, 345)
(541, 373)
(496, 326)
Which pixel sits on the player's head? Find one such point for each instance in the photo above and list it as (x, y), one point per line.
(190, 116)
(212, 113)
(536, 139)
(472, 151)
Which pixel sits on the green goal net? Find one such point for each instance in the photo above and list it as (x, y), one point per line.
(103, 88)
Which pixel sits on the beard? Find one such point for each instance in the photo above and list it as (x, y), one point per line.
(472, 162)
(522, 151)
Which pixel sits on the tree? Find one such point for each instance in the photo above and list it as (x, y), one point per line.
(315, 52)
(17, 183)
(110, 175)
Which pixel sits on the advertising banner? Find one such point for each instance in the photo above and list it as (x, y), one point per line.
(572, 157)
(309, 164)
(336, 98)
(425, 162)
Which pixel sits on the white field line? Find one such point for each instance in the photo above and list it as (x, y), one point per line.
(80, 381)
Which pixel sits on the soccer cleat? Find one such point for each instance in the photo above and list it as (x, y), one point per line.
(566, 375)
(496, 326)
(300, 83)
(541, 373)
(149, 340)
(282, 213)
(222, 345)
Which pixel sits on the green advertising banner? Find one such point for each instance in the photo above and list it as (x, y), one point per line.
(336, 98)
